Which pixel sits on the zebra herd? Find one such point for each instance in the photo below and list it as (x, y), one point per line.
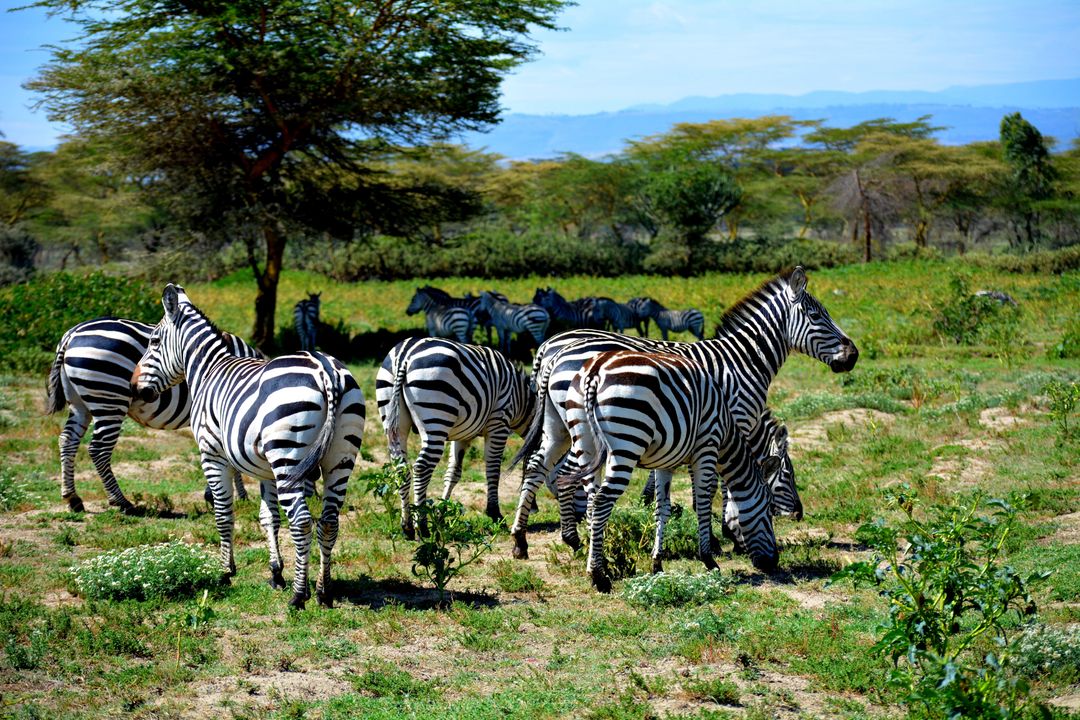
(597, 402)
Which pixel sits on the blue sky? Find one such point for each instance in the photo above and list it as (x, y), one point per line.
(618, 53)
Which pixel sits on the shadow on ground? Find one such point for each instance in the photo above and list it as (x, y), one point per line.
(376, 594)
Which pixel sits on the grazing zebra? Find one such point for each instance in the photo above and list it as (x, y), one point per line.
(657, 410)
(306, 320)
(283, 421)
(640, 307)
(469, 301)
(509, 318)
(450, 392)
(615, 316)
(754, 339)
(581, 313)
(448, 321)
(92, 375)
(771, 434)
(676, 320)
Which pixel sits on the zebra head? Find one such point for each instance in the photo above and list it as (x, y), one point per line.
(785, 494)
(747, 515)
(162, 365)
(812, 331)
(421, 300)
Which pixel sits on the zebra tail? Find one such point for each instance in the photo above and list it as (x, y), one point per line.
(590, 426)
(393, 408)
(334, 392)
(55, 400)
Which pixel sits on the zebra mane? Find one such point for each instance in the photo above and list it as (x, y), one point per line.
(734, 315)
(217, 332)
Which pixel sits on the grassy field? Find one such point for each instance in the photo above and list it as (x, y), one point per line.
(531, 639)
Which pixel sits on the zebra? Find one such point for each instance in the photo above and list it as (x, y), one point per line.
(306, 320)
(676, 320)
(509, 318)
(450, 391)
(581, 313)
(615, 315)
(469, 301)
(659, 410)
(442, 320)
(770, 434)
(754, 339)
(640, 307)
(91, 374)
(282, 421)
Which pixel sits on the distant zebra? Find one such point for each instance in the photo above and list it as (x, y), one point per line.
(640, 307)
(509, 318)
(92, 374)
(448, 321)
(657, 410)
(450, 392)
(676, 320)
(581, 313)
(283, 421)
(306, 320)
(469, 301)
(615, 315)
(754, 339)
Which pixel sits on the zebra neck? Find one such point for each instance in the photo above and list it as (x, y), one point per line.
(203, 348)
(758, 333)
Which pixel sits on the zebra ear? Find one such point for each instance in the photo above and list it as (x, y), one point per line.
(170, 300)
(797, 282)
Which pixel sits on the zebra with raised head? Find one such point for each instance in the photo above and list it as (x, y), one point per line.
(509, 318)
(668, 321)
(447, 321)
(755, 337)
(470, 302)
(454, 393)
(657, 410)
(615, 315)
(91, 374)
(580, 313)
(284, 421)
(306, 320)
(640, 307)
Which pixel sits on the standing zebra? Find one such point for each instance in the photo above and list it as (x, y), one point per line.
(615, 315)
(581, 313)
(282, 421)
(661, 411)
(92, 375)
(448, 321)
(640, 307)
(754, 339)
(676, 320)
(306, 320)
(469, 301)
(509, 318)
(450, 392)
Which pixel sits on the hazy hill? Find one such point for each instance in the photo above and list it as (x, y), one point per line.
(970, 113)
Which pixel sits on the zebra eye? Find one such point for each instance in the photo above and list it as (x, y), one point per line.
(154, 341)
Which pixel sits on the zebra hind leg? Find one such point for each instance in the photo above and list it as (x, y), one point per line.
(102, 443)
(270, 519)
(300, 527)
(70, 437)
(663, 512)
(218, 475)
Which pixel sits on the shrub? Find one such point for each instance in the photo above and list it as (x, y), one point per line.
(668, 589)
(1063, 398)
(965, 317)
(35, 315)
(1043, 651)
(17, 250)
(1069, 347)
(452, 541)
(950, 600)
(629, 535)
(14, 492)
(168, 570)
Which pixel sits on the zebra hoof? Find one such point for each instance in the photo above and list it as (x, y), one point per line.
(710, 562)
(573, 541)
(297, 601)
(714, 545)
(126, 508)
(521, 546)
(75, 504)
(325, 599)
(409, 532)
(277, 580)
(657, 565)
(601, 581)
(495, 513)
(207, 495)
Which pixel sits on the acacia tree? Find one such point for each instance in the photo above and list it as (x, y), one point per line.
(1027, 153)
(231, 106)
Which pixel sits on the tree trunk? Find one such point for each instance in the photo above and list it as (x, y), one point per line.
(867, 236)
(267, 281)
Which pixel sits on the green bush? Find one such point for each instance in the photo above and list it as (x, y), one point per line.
(35, 315)
(1069, 347)
(14, 491)
(168, 570)
(1046, 262)
(668, 589)
(451, 542)
(1043, 651)
(966, 318)
(629, 536)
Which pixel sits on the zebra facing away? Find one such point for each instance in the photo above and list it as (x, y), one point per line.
(657, 410)
(691, 320)
(754, 339)
(283, 421)
(640, 307)
(450, 392)
(448, 321)
(92, 375)
(306, 320)
(509, 318)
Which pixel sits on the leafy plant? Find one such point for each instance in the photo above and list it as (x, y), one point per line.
(965, 317)
(630, 533)
(14, 492)
(1069, 347)
(668, 589)
(198, 618)
(1063, 398)
(452, 542)
(951, 601)
(168, 570)
(1044, 651)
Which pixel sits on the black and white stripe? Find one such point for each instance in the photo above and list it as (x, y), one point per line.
(283, 421)
(447, 321)
(640, 307)
(306, 321)
(509, 318)
(754, 339)
(91, 374)
(669, 321)
(615, 315)
(627, 409)
(450, 392)
(471, 302)
(581, 313)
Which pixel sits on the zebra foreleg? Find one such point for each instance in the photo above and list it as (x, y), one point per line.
(539, 471)
(102, 443)
(454, 467)
(703, 479)
(663, 512)
(219, 477)
(270, 519)
(70, 437)
(238, 483)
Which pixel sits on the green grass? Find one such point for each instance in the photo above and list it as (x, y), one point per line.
(531, 639)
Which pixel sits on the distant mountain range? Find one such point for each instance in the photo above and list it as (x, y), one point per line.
(969, 114)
